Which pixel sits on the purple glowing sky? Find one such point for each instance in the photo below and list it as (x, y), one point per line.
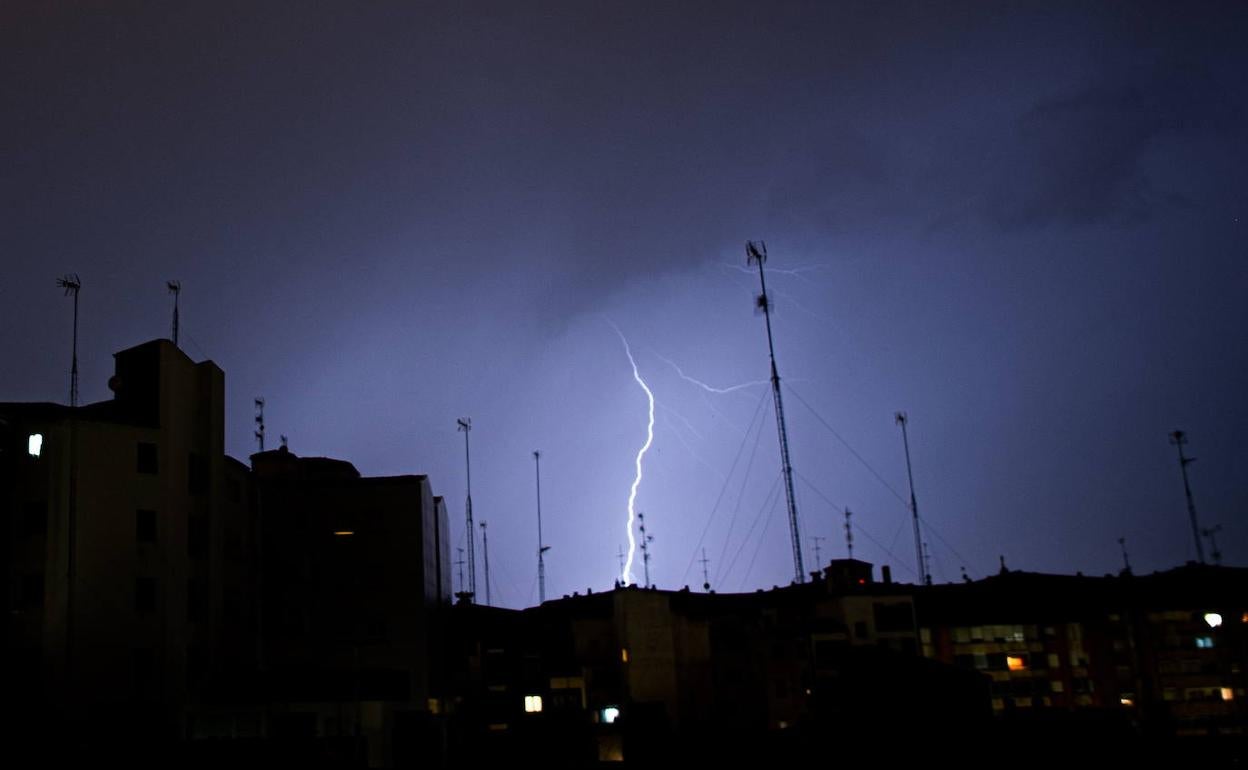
(1023, 224)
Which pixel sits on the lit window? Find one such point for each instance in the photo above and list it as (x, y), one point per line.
(624, 655)
(35, 445)
(1228, 693)
(1016, 662)
(1126, 702)
(1204, 642)
(343, 533)
(1213, 619)
(609, 715)
(532, 704)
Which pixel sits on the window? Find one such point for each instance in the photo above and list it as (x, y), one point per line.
(1016, 662)
(145, 526)
(532, 704)
(196, 474)
(197, 536)
(145, 594)
(145, 458)
(609, 715)
(1204, 642)
(34, 445)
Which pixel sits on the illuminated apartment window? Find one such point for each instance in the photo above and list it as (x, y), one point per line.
(1204, 642)
(1016, 662)
(532, 704)
(624, 655)
(34, 445)
(609, 715)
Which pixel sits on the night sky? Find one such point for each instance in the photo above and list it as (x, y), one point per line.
(1021, 223)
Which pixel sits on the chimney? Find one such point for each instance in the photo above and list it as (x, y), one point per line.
(886, 574)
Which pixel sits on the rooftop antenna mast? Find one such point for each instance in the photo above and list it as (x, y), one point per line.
(260, 423)
(849, 534)
(71, 284)
(1126, 562)
(485, 553)
(1179, 439)
(706, 576)
(818, 558)
(175, 288)
(927, 564)
(541, 548)
(620, 554)
(645, 545)
(914, 504)
(1212, 534)
(465, 426)
(460, 563)
(757, 254)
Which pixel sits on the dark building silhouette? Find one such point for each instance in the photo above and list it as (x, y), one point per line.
(644, 675)
(353, 573)
(1159, 654)
(157, 590)
(125, 553)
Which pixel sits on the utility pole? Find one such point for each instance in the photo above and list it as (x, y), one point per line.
(645, 545)
(914, 504)
(1212, 534)
(175, 288)
(849, 535)
(1126, 563)
(757, 254)
(260, 423)
(485, 552)
(465, 426)
(818, 559)
(71, 284)
(706, 576)
(541, 549)
(1179, 439)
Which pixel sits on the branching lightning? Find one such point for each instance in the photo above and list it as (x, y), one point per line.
(703, 385)
(626, 575)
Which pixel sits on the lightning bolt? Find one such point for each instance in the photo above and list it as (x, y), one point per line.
(703, 385)
(625, 577)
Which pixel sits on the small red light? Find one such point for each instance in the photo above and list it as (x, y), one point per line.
(862, 581)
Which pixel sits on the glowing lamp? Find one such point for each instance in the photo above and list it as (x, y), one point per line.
(1213, 619)
(34, 446)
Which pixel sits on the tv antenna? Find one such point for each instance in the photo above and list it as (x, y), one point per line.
(464, 425)
(71, 284)
(706, 576)
(924, 576)
(541, 549)
(849, 534)
(757, 254)
(175, 288)
(1179, 439)
(260, 423)
(485, 552)
(1212, 534)
(646, 540)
